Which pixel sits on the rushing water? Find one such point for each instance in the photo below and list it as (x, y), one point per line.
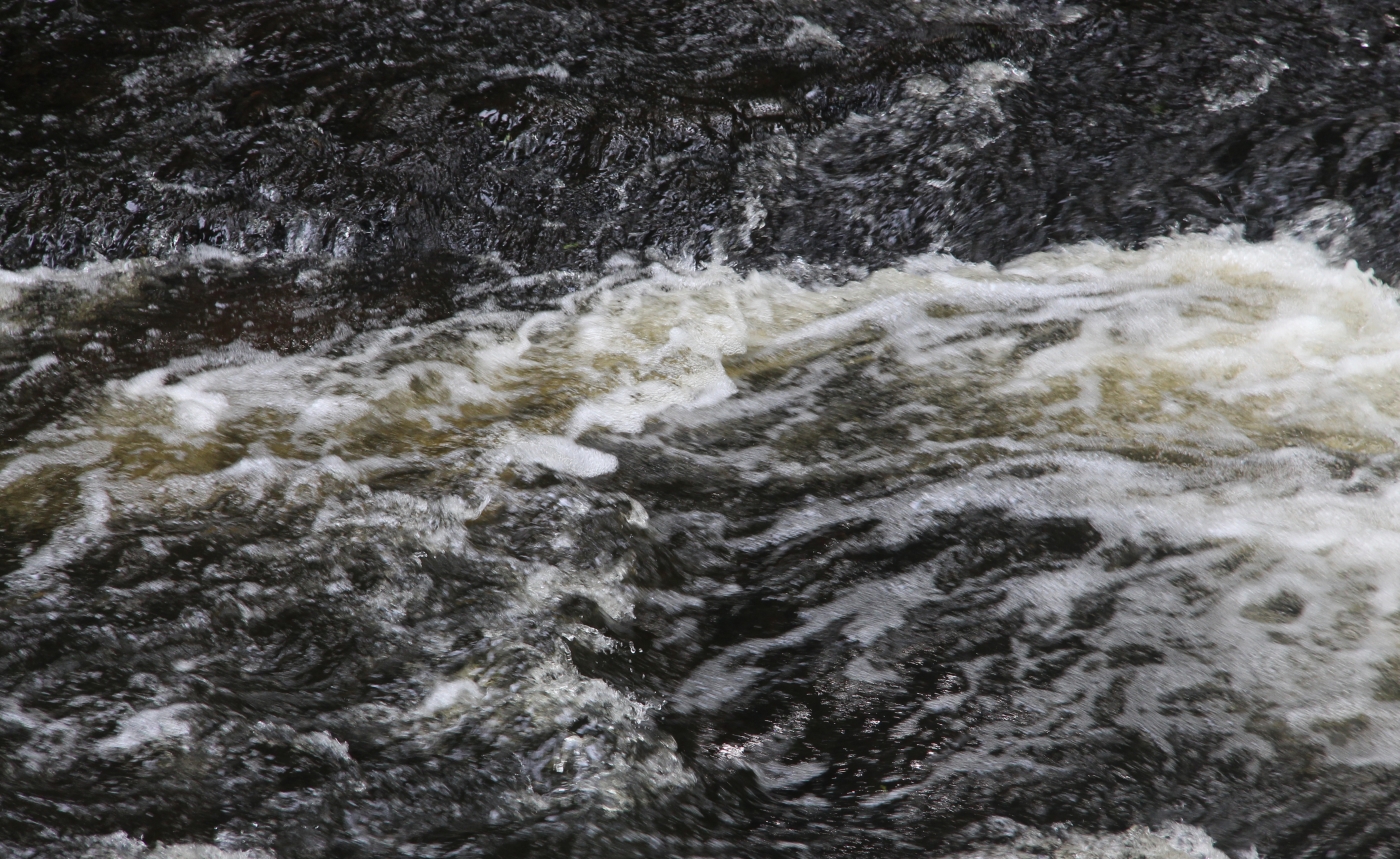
(699, 429)
(703, 562)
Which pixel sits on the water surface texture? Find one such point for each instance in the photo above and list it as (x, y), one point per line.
(699, 429)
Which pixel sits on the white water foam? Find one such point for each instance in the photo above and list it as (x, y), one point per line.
(1204, 392)
(1174, 841)
(88, 287)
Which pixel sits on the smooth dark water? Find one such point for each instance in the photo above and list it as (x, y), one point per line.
(505, 429)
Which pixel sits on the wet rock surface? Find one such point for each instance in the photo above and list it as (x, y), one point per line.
(555, 135)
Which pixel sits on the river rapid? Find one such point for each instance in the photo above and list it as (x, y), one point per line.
(748, 534)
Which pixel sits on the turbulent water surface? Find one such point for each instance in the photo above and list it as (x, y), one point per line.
(699, 429)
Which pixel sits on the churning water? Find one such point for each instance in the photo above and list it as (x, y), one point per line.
(522, 429)
(708, 562)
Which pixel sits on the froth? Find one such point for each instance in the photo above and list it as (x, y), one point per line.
(1174, 841)
(80, 291)
(1241, 400)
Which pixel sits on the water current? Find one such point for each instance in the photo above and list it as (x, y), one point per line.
(703, 561)
(909, 478)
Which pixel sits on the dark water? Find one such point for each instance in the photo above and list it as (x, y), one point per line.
(504, 429)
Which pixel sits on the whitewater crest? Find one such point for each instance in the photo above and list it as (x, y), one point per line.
(585, 547)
